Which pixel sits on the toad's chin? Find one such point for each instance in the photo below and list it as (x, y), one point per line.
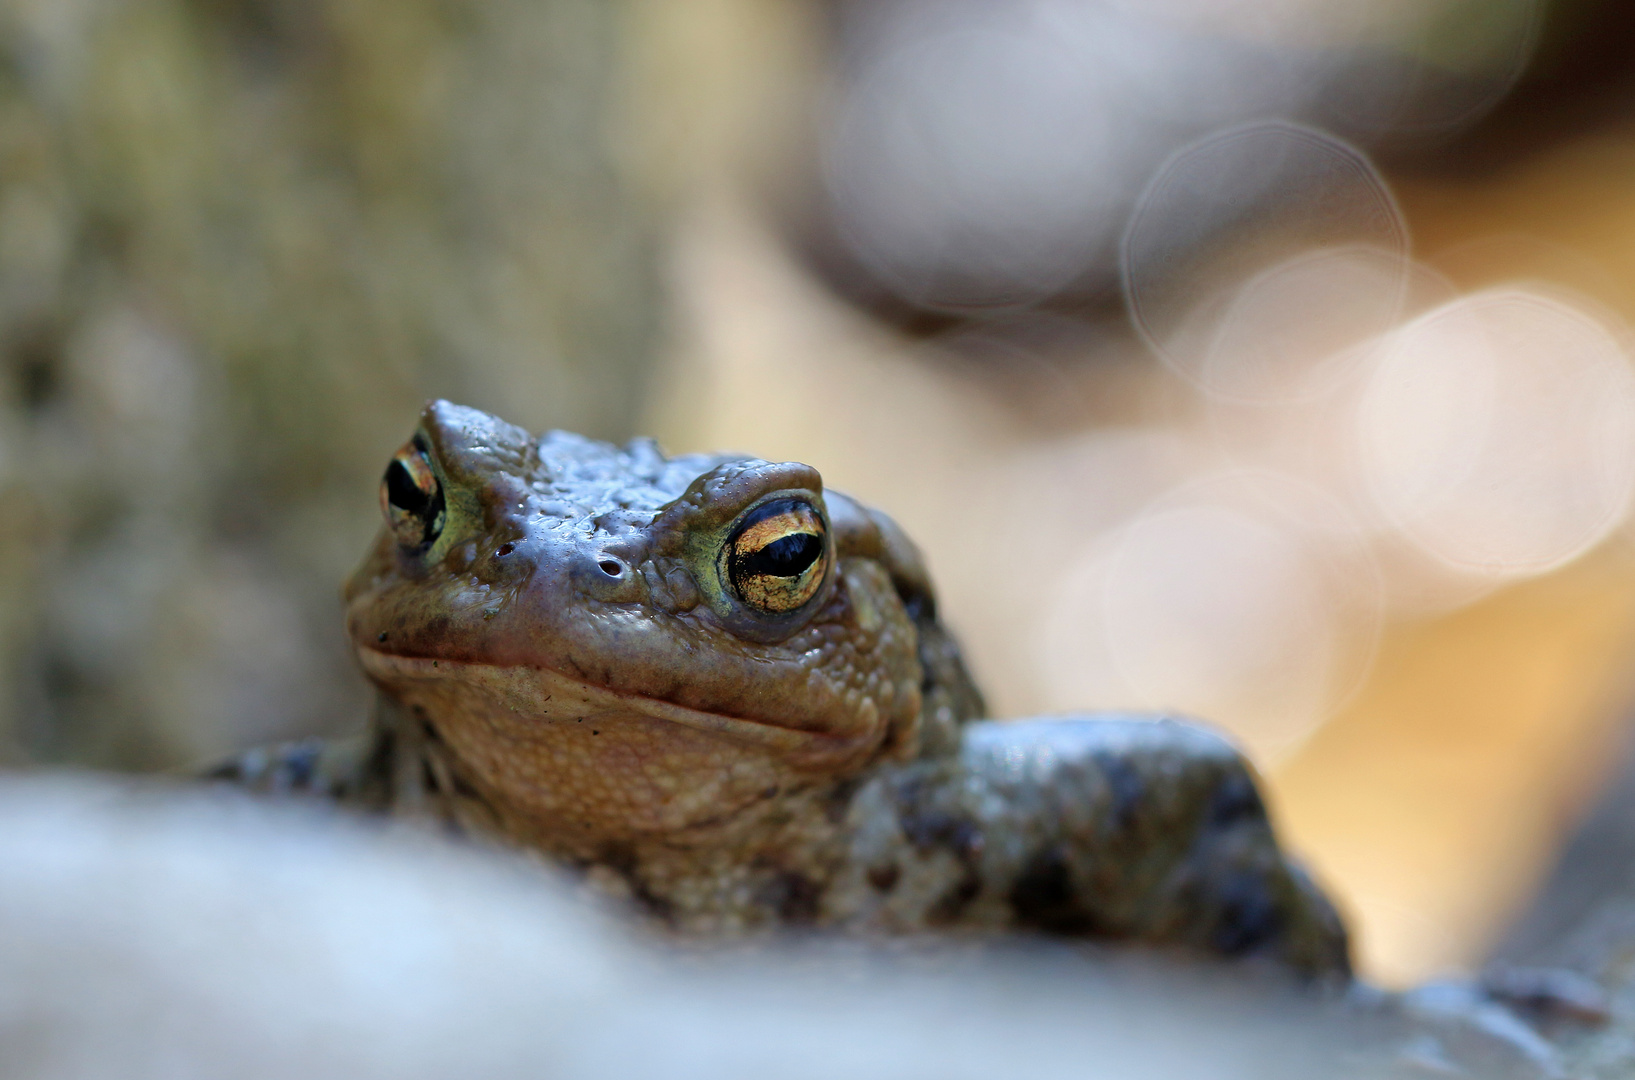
(592, 763)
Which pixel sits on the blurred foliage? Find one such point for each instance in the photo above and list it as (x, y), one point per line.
(240, 241)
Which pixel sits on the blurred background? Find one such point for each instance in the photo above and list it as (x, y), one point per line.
(1262, 359)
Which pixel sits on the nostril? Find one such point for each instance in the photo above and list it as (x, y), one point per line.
(504, 549)
(611, 567)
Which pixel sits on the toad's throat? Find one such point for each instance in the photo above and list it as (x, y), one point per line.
(541, 694)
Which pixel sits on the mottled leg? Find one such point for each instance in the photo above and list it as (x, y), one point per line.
(325, 767)
(1114, 828)
(398, 766)
(1151, 830)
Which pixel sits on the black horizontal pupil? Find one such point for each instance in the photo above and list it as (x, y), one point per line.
(787, 556)
(404, 493)
(416, 512)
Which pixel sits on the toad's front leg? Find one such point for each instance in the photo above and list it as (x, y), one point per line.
(1116, 828)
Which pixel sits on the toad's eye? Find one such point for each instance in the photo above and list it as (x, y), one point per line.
(776, 559)
(411, 497)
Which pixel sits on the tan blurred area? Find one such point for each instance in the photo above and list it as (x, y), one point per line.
(240, 244)
(241, 240)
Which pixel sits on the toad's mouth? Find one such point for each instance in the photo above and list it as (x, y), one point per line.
(542, 694)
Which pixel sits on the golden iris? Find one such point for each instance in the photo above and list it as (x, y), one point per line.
(777, 556)
(412, 498)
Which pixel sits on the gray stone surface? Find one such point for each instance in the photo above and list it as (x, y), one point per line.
(1583, 923)
(147, 932)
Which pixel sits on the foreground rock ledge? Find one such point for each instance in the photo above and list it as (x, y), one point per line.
(148, 932)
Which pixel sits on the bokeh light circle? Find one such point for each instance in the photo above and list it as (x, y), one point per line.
(1243, 597)
(1254, 223)
(1498, 432)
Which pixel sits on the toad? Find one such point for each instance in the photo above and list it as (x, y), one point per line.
(725, 691)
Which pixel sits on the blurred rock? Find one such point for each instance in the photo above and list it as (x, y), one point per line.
(1580, 931)
(984, 156)
(147, 932)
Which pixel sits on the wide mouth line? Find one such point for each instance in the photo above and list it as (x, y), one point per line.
(764, 733)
